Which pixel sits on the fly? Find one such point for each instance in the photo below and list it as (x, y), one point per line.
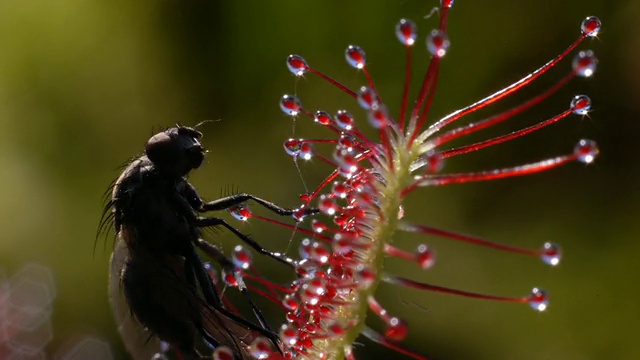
(156, 215)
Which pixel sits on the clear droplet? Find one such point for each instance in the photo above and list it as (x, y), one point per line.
(240, 212)
(290, 105)
(319, 253)
(343, 242)
(241, 257)
(315, 287)
(310, 328)
(318, 226)
(425, 256)
(290, 303)
(309, 298)
(438, 43)
(323, 118)
(367, 98)
(591, 26)
(304, 197)
(340, 189)
(305, 248)
(364, 198)
(306, 151)
(446, 3)
(288, 335)
(297, 65)
(300, 214)
(407, 32)
(397, 329)
(341, 220)
(306, 269)
(348, 166)
(347, 163)
(292, 318)
(551, 253)
(581, 104)
(378, 118)
(327, 206)
(586, 151)
(260, 348)
(344, 120)
(223, 353)
(229, 278)
(342, 274)
(292, 147)
(585, 63)
(347, 142)
(355, 56)
(539, 299)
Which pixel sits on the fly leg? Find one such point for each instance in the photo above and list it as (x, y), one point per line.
(214, 221)
(237, 199)
(194, 262)
(191, 195)
(211, 295)
(215, 253)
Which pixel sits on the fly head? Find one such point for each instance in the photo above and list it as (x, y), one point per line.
(176, 151)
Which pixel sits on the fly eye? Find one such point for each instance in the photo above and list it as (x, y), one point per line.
(195, 155)
(161, 148)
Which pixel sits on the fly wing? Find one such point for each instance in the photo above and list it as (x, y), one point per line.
(215, 325)
(138, 341)
(227, 331)
(157, 289)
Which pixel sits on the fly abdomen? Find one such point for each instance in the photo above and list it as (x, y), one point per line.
(161, 300)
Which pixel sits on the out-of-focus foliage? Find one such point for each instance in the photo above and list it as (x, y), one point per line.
(83, 84)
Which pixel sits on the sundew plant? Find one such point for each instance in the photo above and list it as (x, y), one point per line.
(346, 242)
(344, 248)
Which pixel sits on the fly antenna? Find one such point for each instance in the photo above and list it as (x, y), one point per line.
(205, 122)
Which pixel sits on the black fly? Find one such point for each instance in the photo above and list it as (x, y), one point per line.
(155, 211)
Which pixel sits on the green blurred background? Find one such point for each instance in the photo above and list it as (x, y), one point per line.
(83, 84)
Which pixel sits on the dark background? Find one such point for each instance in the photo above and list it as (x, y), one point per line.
(84, 84)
